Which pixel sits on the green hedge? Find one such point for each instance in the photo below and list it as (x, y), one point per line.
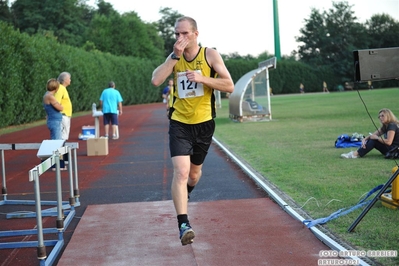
(28, 62)
(287, 76)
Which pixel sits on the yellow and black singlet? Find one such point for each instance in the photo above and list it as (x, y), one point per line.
(192, 103)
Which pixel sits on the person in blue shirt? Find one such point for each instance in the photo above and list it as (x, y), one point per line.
(53, 109)
(111, 105)
(53, 114)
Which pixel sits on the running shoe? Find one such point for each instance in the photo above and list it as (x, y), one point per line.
(186, 234)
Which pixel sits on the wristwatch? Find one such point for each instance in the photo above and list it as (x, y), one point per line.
(175, 57)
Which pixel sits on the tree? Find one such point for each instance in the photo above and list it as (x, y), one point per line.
(235, 55)
(383, 31)
(329, 39)
(28, 15)
(66, 19)
(105, 9)
(124, 35)
(166, 28)
(74, 23)
(314, 37)
(5, 14)
(138, 38)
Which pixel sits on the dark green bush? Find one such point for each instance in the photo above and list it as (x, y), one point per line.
(28, 62)
(287, 76)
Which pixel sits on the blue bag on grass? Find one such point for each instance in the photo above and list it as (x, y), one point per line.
(344, 141)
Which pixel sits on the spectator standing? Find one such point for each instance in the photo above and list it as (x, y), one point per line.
(62, 96)
(325, 89)
(111, 104)
(301, 88)
(370, 84)
(53, 115)
(166, 94)
(53, 109)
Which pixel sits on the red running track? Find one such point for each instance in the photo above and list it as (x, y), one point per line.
(126, 216)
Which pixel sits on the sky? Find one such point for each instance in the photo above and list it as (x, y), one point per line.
(246, 27)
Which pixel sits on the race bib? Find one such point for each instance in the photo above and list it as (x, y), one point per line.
(188, 89)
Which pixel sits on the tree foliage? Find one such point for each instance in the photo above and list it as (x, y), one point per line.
(5, 14)
(383, 31)
(27, 62)
(124, 35)
(73, 22)
(166, 28)
(66, 19)
(329, 38)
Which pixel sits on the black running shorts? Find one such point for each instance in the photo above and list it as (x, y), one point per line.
(193, 140)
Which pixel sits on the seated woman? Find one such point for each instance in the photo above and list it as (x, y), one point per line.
(389, 129)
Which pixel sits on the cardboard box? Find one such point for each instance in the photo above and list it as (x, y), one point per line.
(97, 146)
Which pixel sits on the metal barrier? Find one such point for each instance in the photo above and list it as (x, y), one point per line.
(72, 170)
(62, 222)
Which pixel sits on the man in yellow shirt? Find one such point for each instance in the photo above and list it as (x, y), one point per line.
(62, 97)
(197, 71)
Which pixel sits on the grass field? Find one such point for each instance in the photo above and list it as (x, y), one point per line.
(295, 151)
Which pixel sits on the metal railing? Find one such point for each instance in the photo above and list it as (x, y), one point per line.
(64, 210)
